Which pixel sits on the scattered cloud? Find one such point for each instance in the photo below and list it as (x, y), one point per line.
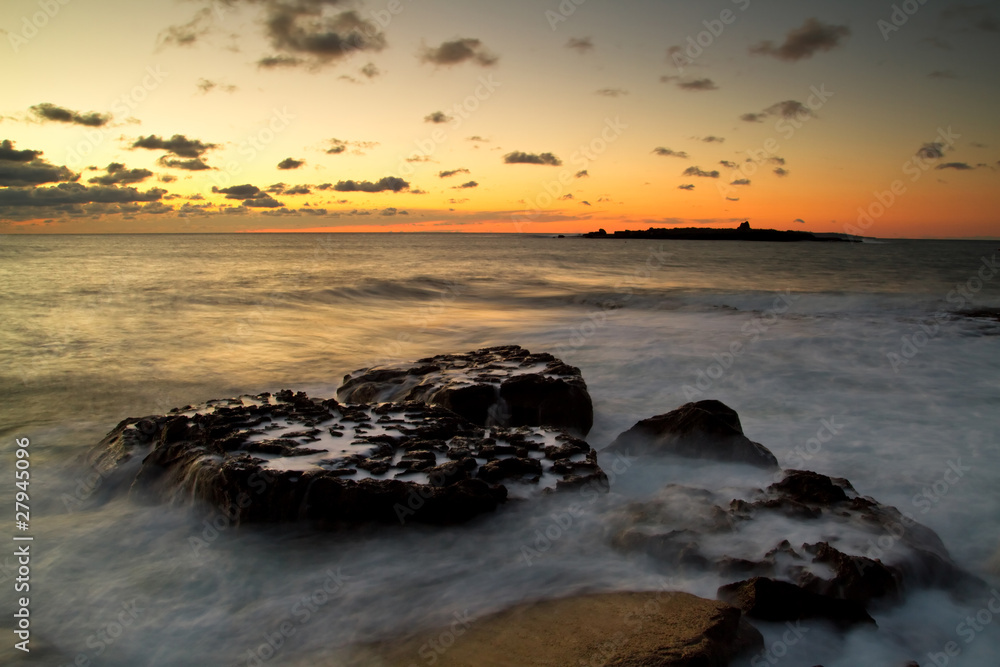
(206, 86)
(710, 139)
(732, 198)
(466, 186)
(195, 164)
(667, 152)
(452, 172)
(519, 157)
(305, 29)
(370, 71)
(799, 220)
(290, 163)
(298, 190)
(582, 174)
(958, 166)
(727, 164)
(741, 181)
(50, 112)
(612, 92)
(695, 171)
(273, 62)
(75, 193)
(931, 151)
(686, 186)
(459, 51)
(438, 117)
(580, 44)
(116, 174)
(780, 161)
(781, 171)
(753, 117)
(26, 168)
(338, 146)
(178, 144)
(390, 183)
(477, 138)
(690, 84)
(788, 109)
(805, 41)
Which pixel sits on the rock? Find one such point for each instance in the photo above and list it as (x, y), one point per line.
(503, 386)
(288, 457)
(615, 629)
(702, 430)
(771, 600)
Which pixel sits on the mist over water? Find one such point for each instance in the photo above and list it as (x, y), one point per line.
(862, 344)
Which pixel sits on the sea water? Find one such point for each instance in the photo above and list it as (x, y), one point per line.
(853, 360)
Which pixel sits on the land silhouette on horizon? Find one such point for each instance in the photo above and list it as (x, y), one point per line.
(742, 233)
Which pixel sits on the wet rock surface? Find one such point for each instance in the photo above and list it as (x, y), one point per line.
(287, 457)
(505, 385)
(703, 430)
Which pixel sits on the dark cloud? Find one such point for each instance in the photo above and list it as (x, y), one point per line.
(800, 220)
(75, 193)
(459, 51)
(727, 164)
(741, 181)
(942, 74)
(690, 84)
(303, 28)
(438, 117)
(206, 86)
(452, 172)
(931, 151)
(25, 168)
(336, 146)
(262, 201)
(391, 183)
(419, 158)
(686, 186)
(580, 44)
(166, 178)
(391, 211)
(582, 174)
(118, 174)
(667, 152)
(47, 111)
(975, 17)
(290, 163)
(298, 190)
(789, 109)
(695, 171)
(188, 33)
(178, 144)
(712, 139)
(273, 62)
(753, 117)
(732, 198)
(780, 161)
(245, 191)
(586, 203)
(466, 186)
(276, 189)
(477, 138)
(612, 92)
(781, 171)
(324, 186)
(805, 41)
(520, 157)
(370, 71)
(197, 164)
(958, 166)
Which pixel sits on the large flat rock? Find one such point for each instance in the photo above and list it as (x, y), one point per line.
(669, 629)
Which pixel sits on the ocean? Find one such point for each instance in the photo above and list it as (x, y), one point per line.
(877, 347)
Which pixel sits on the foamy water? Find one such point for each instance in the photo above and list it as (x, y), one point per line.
(851, 360)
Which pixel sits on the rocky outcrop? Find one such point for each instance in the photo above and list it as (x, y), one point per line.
(496, 386)
(288, 457)
(701, 430)
(616, 629)
(770, 600)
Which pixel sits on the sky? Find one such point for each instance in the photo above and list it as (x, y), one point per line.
(539, 116)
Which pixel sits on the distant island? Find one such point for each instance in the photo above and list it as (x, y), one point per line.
(742, 233)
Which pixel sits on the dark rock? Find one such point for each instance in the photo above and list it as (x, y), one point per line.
(704, 430)
(499, 469)
(856, 578)
(495, 386)
(805, 487)
(771, 600)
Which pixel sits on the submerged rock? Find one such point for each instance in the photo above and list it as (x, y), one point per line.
(668, 628)
(287, 457)
(702, 430)
(770, 600)
(494, 386)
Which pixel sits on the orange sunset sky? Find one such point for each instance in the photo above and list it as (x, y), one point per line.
(521, 116)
